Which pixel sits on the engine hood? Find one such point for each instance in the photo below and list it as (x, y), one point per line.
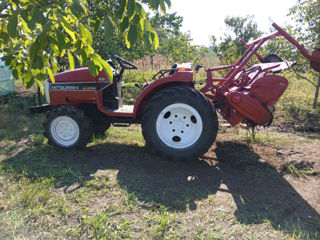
(79, 75)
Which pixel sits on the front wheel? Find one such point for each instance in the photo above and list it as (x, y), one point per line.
(180, 123)
(68, 127)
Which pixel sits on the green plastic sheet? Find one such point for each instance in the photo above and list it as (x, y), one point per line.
(6, 79)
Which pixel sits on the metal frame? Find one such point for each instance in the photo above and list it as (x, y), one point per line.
(222, 84)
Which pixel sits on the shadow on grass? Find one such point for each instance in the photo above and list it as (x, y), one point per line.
(16, 121)
(260, 192)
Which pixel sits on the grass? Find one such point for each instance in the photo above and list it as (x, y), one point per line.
(118, 189)
(295, 106)
(299, 169)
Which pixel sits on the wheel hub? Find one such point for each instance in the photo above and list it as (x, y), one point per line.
(179, 125)
(65, 131)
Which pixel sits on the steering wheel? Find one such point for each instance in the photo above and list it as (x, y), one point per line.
(125, 64)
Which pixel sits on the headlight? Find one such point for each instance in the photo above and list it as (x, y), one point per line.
(46, 91)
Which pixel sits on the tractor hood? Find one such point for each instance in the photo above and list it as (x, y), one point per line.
(79, 75)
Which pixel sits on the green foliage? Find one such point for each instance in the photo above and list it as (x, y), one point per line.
(180, 49)
(230, 49)
(36, 35)
(303, 114)
(306, 29)
(297, 169)
(168, 37)
(174, 44)
(306, 14)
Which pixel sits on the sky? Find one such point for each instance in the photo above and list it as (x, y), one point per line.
(204, 18)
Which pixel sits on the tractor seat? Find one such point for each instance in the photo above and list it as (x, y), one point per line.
(173, 69)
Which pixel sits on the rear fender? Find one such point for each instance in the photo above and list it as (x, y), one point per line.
(178, 79)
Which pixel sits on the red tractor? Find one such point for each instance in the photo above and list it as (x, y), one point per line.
(178, 121)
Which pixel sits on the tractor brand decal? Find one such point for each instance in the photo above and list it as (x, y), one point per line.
(61, 87)
(77, 86)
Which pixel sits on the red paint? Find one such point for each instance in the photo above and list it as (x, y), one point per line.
(184, 78)
(76, 97)
(246, 93)
(242, 94)
(73, 98)
(269, 89)
(250, 107)
(77, 75)
(236, 98)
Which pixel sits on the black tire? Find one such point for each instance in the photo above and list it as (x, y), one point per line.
(185, 103)
(72, 119)
(99, 126)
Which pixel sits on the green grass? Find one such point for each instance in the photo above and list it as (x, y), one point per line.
(117, 189)
(295, 106)
(298, 169)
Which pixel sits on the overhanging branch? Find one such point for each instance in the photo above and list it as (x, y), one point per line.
(303, 77)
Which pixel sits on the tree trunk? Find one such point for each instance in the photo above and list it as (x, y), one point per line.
(151, 61)
(316, 95)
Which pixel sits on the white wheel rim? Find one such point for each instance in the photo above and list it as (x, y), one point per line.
(65, 131)
(179, 125)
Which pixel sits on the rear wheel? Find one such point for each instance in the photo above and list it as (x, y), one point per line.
(179, 123)
(68, 127)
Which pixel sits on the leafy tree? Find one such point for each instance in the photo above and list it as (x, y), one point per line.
(306, 14)
(174, 44)
(36, 33)
(306, 29)
(167, 25)
(180, 49)
(230, 48)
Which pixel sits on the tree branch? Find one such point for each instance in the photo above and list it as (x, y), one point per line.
(303, 77)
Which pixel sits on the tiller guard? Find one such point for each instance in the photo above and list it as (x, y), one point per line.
(249, 94)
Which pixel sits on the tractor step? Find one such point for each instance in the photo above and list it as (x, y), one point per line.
(123, 109)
